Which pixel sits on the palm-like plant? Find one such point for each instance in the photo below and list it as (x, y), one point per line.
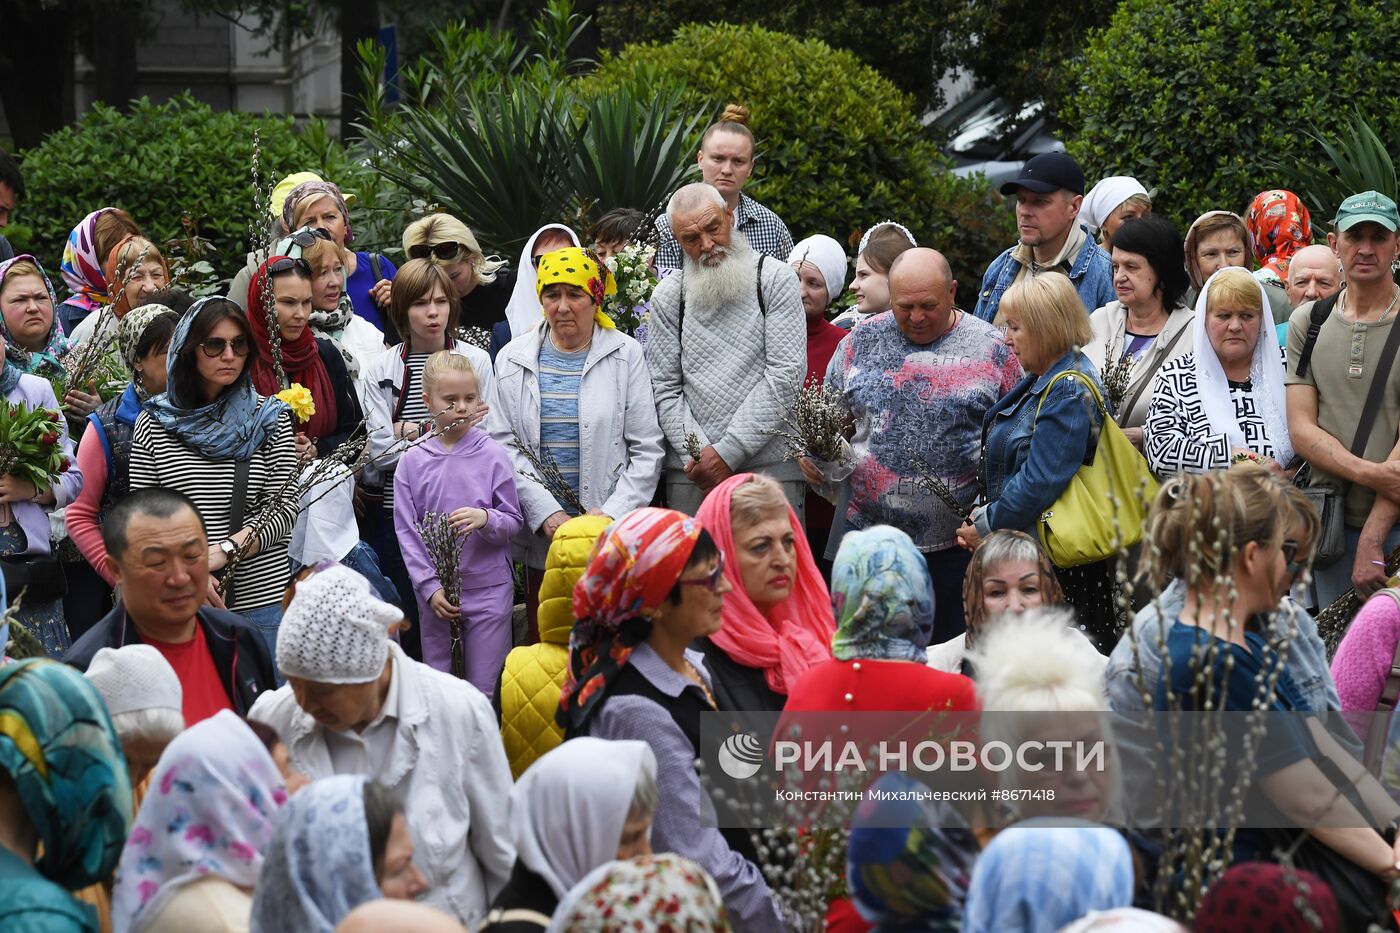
(1357, 159)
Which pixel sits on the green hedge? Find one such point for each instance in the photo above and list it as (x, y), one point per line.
(161, 161)
(839, 148)
(1198, 97)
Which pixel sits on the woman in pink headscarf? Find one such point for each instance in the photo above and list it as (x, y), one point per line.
(778, 620)
(1279, 226)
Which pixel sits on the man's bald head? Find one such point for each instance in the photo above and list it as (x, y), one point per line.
(922, 294)
(398, 916)
(1314, 273)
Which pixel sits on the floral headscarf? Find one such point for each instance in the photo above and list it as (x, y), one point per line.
(39, 362)
(312, 190)
(82, 267)
(660, 893)
(581, 267)
(634, 565)
(882, 596)
(1279, 226)
(57, 743)
(210, 810)
(129, 330)
(319, 866)
(903, 869)
(796, 633)
(1264, 893)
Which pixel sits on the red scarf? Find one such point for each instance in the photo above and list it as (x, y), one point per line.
(301, 361)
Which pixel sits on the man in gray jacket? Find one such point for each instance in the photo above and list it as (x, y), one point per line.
(727, 349)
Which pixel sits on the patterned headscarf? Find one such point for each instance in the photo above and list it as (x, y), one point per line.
(312, 190)
(882, 596)
(82, 267)
(58, 744)
(581, 267)
(39, 362)
(634, 565)
(1279, 226)
(1038, 878)
(234, 425)
(319, 866)
(210, 810)
(795, 634)
(129, 330)
(661, 893)
(902, 868)
(1262, 896)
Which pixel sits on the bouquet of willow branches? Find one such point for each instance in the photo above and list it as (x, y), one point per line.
(545, 471)
(815, 425)
(478, 337)
(93, 364)
(1332, 622)
(444, 547)
(1116, 376)
(692, 446)
(929, 481)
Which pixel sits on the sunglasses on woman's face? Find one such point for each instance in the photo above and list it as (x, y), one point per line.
(443, 251)
(305, 238)
(709, 581)
(214, 347)
(1292, 564)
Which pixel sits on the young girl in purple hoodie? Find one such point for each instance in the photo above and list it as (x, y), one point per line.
(466, 475)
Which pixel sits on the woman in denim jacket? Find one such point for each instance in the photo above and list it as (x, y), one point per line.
(1041, 432)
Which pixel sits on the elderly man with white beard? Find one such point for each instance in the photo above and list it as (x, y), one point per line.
(727, 349)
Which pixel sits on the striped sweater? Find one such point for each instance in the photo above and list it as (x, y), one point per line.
(159, 458)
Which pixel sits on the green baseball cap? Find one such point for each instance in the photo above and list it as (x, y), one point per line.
(1368, 207)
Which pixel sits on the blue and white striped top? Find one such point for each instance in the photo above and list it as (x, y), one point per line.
(560, 376)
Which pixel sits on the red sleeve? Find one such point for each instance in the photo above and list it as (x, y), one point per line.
(81, 513)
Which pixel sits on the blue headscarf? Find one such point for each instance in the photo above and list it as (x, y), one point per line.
(57, 743)
(319, 866)
(234, 425)
(45, 362)
(882, 597)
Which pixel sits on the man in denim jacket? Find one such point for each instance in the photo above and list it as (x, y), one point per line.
(1049, 192)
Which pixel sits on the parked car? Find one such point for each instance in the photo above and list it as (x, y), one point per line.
(987, 134)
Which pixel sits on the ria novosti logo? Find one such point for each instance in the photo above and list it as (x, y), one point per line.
(741, 756)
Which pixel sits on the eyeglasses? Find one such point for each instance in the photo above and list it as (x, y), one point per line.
(709, 581)
(1294, 566)
(306, 237)
(285, 264)
(214, 347)
(444, 251)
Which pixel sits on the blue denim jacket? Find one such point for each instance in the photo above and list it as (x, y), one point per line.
(1028, 461)
(1091, 272)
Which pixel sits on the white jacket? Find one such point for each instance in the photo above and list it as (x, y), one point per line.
(619, 439)
(448, 767)
(380, 386)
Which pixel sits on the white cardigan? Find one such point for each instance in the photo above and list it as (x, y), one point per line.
(1107, 324)
(620, 446)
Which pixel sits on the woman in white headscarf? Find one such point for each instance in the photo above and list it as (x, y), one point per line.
(1112, 201)
(1225, 400)
(523, 311)
(581, 805)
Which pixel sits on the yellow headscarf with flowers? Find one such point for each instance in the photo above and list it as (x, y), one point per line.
(581, 267)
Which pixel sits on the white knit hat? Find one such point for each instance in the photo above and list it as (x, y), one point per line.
(335, 631)
(135, 677)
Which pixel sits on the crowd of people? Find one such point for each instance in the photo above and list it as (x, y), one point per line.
(392, 594)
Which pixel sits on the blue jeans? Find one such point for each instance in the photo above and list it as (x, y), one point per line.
(268, 619)
(362, 560)
(1333, 580)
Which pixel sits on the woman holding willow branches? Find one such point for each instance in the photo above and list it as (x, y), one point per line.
(576, 411)
(1223, 534)
(232, 451)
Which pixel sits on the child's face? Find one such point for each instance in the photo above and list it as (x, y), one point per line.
(455, 396)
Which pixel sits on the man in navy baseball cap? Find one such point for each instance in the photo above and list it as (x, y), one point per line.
(1049, 191)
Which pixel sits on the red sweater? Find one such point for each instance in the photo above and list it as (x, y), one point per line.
(880, 686)
(822, 338)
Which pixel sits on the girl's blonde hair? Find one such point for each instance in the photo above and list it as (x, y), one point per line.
(443, 362)
(414, 280)
(444, 228)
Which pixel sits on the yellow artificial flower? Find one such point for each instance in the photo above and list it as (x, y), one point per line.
(299, 400)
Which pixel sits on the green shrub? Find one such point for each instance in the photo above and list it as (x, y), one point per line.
(839, 148)
(161, 162)
(1199, 97)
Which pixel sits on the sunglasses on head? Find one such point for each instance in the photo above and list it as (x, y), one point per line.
(306, 237)
(214, 347)
(443, 251)
(709, 581)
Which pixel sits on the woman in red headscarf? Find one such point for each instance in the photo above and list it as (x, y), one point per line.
(655, 583)
(1279, 226)
(778, 622)
(281, 289)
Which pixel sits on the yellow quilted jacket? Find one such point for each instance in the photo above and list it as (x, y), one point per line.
(534, 674)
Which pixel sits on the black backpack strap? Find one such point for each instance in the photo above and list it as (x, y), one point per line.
(1321, 310)
(1379, 380)
(762, 305)
(376, 266)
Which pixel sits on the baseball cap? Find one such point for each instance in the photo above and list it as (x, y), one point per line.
(1047, 172)
(1367, 207)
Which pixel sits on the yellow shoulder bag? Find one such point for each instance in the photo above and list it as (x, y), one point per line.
(1104, 507)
